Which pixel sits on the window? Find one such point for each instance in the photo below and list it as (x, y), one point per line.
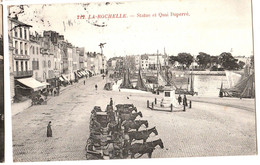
(26, 65)
(16, 47)
(21, 33)
(17, 66)
(49, 63)
(21, 48)
(33, 49)
(25, 35)
(22, 66)
(25, 48)
(37, 64)
(37, 50)
(33, 64)
(15, 32)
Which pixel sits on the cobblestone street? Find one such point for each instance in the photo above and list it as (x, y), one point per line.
(205, 130)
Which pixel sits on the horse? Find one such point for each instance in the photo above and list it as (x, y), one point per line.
(124, 106)
(136, 124)
(113, 127)
(95, 110)
(120, 111)
(141, 135)
(94, 125)
(131, 116)
(144, 148)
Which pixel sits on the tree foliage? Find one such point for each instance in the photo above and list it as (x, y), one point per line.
(228, 61)
(203, 59)
(173, 59)
(241, 64)
(185, 59)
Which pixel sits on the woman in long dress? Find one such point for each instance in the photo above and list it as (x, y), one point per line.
(49, 131)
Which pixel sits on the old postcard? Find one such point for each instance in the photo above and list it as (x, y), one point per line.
(129, 80)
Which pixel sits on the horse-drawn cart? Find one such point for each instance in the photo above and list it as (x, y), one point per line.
(111, 134)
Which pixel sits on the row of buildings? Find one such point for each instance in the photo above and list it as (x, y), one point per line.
(46, 57)
(145, 61)
(153, 61)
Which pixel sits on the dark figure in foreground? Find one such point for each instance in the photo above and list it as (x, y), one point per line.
(49, 131)
(179, 99)
(96, 86)
(185, 100)
(84, 82)
(111, 102)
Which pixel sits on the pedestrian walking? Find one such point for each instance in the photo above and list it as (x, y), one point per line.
(49, 131)
(51, 91)
(111, 102)
(185, 100)
(58, 90)
(84, 82)
(96, 86)
(55, 92)
(179, 99)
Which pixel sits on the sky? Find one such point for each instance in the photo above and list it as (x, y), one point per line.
(212, 26)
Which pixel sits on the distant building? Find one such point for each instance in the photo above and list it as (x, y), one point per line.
(81, 52)
(92, 62)
(57, 61)
(152, 61)
(47, 52)
(115, 62)
(244, 59)
(36, 57)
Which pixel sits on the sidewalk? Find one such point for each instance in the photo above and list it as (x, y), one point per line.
(19, 107)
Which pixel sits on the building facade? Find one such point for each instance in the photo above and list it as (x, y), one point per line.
(19, 33)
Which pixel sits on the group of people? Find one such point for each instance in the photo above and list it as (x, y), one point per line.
(184, 100)
(53, 91)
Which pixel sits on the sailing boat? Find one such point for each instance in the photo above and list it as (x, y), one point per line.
(190, 86)
(244, 88)
(140, 83)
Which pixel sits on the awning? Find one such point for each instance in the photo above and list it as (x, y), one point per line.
(91, 71)
(46, 83)
(77, 74)
(64, 77)
(86, 73)
(61, 79)
(32, 83)
(82, 73)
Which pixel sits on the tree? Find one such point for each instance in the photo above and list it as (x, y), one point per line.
(241, 64)
(228, 61)
(214, 60)
(203, 59)
(185, 59)
(252, 62)
(173, 59)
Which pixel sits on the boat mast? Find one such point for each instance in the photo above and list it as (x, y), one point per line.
(157, 68)
(191, 76)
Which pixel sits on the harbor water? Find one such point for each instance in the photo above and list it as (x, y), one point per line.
(208, 85)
